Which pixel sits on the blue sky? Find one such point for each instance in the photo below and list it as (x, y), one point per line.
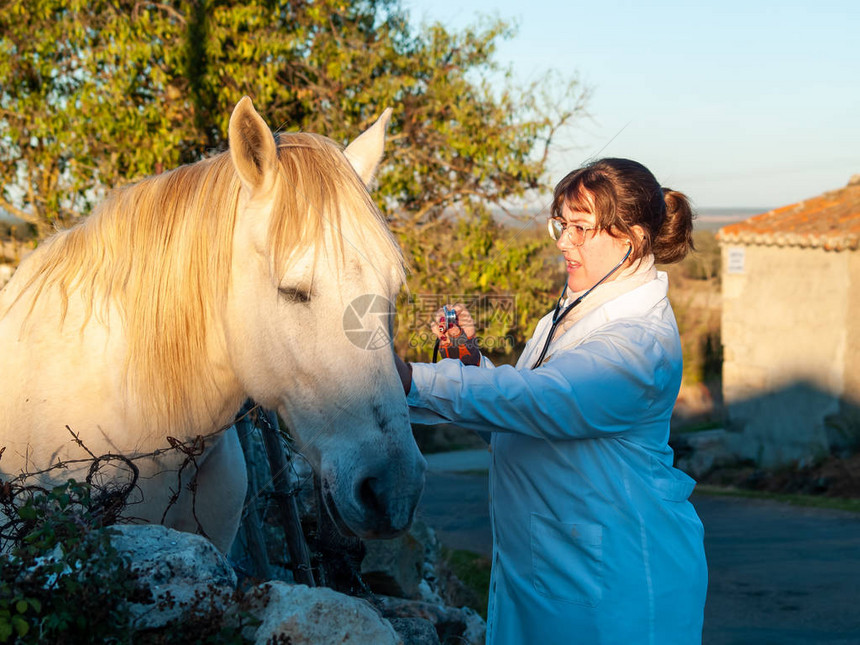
(739, 104)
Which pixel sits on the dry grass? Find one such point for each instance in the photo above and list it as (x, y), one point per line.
(694, 290)
(831, 478)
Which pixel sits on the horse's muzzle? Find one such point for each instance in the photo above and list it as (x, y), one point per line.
(377, 507)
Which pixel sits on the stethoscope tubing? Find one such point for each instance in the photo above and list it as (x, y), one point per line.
(558, 315)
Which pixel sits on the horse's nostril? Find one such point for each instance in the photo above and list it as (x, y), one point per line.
(368, 495)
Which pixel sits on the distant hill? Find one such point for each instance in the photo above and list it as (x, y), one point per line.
(712, 219)
(707, 219)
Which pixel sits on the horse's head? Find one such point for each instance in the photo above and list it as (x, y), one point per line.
(309, 316)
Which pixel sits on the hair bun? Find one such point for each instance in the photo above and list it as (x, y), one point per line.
(675, 238)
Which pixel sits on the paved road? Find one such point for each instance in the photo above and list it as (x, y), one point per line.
(779, 574)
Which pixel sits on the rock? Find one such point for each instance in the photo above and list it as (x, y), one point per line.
(463, 626)
(695, 405)
(699, 452)
(394, 567)
(301, 615)
(415, 631)
(427, 536)
(404, 567)
(428, 590)
(181, 570)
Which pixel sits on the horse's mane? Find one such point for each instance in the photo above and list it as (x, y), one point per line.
(160, 251)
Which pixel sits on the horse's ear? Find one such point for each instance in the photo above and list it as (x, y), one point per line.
(252, 148)
(365, 152)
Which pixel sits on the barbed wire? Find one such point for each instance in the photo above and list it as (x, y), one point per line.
(108, 490)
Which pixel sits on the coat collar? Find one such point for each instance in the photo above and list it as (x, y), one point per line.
(628, 305)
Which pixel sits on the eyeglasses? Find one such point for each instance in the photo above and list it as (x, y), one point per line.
(575, 233)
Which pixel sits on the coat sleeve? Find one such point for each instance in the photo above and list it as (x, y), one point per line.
(605, 385)
(426, 416)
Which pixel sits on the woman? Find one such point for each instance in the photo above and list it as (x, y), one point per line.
(594, 540)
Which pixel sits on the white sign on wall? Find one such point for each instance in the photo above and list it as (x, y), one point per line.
(737, 259)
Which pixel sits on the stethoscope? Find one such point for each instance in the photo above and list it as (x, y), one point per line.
(558, 314)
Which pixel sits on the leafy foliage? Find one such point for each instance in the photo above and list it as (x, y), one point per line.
(64, 582)
(694, 290)
(506, 275)
(97, 94)
(704, 262)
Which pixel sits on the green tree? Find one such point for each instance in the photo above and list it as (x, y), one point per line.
(83, 96)
(507, 275)
(100, 93)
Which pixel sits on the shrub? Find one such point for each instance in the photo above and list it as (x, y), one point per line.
(704, 262)
(62, 581)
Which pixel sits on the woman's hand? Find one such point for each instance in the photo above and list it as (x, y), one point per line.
(451, 345)
(465, 324)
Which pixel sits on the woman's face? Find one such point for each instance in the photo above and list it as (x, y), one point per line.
(597, 256)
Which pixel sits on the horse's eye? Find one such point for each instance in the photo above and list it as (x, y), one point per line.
(295, 294)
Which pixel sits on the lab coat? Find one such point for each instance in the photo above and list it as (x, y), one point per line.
(594, 539)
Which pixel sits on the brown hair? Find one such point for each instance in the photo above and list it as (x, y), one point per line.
(622, 194)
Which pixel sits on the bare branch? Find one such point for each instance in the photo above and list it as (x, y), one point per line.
(17, 212)
(170, 11)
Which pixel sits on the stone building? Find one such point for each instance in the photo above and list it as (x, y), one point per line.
(791, 329)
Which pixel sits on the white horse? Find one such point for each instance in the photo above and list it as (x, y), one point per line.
(186, 293)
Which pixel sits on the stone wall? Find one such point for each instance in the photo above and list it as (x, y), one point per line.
(849, 421)
(789, 348)
(852, 329)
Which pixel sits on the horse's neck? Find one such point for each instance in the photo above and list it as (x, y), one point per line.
(12, 292)
(72, 373)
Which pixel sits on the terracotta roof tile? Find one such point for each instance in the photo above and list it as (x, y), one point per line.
(830, 221)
